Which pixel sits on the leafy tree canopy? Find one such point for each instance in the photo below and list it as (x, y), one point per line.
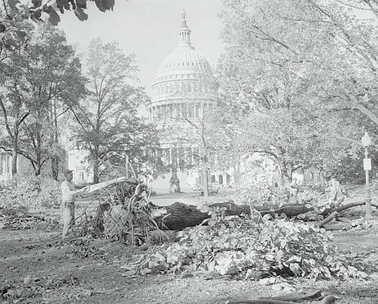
(295, 73)
(106, 119)
(15, 11)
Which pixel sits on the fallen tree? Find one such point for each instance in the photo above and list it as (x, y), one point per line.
(134, 200)
(179, 216)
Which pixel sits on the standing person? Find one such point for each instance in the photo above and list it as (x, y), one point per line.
(69, 191)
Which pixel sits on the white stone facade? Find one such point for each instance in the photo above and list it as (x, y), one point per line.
(184, 90)
(5, 167)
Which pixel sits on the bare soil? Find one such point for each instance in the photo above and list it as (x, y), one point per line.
(38, 267)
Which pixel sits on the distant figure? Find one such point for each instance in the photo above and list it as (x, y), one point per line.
(174, 183)
(68, 200)
(335, 193)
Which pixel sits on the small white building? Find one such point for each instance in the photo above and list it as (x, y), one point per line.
(79, 163)
(5, 166)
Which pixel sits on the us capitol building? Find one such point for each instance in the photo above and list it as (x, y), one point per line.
(183, 92)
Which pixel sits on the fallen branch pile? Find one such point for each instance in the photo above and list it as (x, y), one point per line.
(124, 213)
(20, 219)
(179, 216)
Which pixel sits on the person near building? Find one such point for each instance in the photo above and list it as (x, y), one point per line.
(69, 192)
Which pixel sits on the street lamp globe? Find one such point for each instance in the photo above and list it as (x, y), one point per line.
(366, 140)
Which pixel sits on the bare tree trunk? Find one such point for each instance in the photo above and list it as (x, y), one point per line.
(14, 156)
(205, 179)
(55, 158)
(55, 167)
(96, 177)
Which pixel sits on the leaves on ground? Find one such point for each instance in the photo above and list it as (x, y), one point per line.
(245, 249)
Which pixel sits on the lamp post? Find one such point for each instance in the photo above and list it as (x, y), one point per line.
(366, 142)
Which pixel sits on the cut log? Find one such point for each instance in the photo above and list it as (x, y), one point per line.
(328, 219)
(348, 205)
(181, 215)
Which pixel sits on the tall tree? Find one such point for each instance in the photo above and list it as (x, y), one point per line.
(299, 65)
(107, 118)
(46, 77)
(55, 84)
(14, 106)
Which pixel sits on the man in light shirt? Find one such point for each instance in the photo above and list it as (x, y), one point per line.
(69, 191)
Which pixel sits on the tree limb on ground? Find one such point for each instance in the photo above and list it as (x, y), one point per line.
(328, 219)
(179, 216)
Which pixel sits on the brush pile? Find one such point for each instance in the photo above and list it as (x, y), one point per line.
(124, 213)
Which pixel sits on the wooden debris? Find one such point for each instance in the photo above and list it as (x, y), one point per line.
(181, 215)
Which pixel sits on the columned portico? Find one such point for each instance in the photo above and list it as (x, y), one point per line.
(183, 90)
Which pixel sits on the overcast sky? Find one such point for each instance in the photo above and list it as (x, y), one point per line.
(149, 29)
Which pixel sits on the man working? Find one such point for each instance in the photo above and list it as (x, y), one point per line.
(68, 200)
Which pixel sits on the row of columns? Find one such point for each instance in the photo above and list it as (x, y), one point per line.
(5, 166)
(184, 88)
(176, 111)
(181, 156)
(186, 156)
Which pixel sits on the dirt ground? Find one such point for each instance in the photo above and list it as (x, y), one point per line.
(37, 267)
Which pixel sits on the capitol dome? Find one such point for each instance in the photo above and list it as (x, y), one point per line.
(184, 80)
(183, 62)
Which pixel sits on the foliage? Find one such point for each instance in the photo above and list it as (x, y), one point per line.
(42, 79)
(54, 79)
(257, 188)
(40, 11)
(245, 248)
(14, 109)
(106, 122)
(30, 192)
(124, 214)
(349, 168)
(299, 81)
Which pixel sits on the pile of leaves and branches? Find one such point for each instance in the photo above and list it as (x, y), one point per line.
(124, 213)
(250, 248)
(30, 192)
(313, 203)
(258, 190)
(25, 193)
(23, 221)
